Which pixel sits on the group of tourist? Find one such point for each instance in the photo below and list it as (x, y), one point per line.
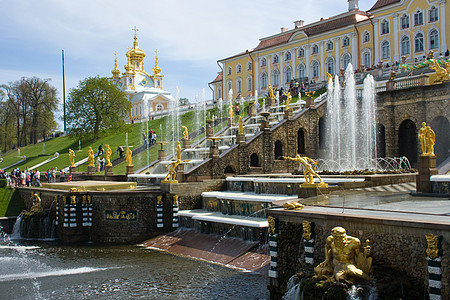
(17, 178)
(151, 137)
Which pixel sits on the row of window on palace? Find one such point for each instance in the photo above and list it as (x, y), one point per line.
(433, 16)
(134, 110)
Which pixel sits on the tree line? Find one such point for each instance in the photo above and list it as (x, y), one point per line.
(27, 112)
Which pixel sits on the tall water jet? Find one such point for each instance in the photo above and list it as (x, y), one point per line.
(350, 135)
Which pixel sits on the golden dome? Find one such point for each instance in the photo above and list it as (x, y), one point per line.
(136, 53)
(128, 66)
(156, 69)
(115, 71)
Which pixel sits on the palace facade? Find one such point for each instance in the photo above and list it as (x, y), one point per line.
(391, 32)
(144, 91)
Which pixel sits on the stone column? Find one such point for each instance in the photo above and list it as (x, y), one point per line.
(130, 170)
(427, 168)
(186, 143)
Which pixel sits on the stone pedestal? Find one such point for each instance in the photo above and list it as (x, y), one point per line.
(230, 122)
(213, 151)
(91, 170)
(252, 110)
(265, 122)
(427, 168)
(288, 114)
(312, 190)
(310, 103)
(130, 170)
(161, 154)
(108, 171)
(272, 101)
(180, 173)
(209, 128)
(72, 169)
(390, 85)
(240, 139)
(165, 185)
(186, 144)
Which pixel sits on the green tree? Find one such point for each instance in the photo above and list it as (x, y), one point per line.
(95, 106)
(183, 101)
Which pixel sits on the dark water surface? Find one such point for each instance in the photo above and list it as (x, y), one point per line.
(53, 271)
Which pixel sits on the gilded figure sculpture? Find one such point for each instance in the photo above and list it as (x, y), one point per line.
(293, 205)
(128, 157)
(288, 100)
(185, 133)
(230, 111)
(343, 258)
(91, 160)
(172, 173)
(72, 158)
(307, 234)
(432, 245)
(271, 95)
(241, 126)
(310, 94)
(37, 206)
(309, 172)
(441, 73)
(427, 139)
(108, 153)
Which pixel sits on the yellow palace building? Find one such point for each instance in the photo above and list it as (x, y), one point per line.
(392, 31)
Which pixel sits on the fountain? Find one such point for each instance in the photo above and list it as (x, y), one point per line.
(349, 123)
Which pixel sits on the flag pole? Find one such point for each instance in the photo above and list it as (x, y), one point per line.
(64, 91)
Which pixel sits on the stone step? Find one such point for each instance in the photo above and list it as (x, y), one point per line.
(247, 228)
(240, 203)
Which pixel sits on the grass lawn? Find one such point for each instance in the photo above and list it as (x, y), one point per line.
(10, 202)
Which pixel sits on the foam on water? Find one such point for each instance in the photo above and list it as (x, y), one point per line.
(33, 275)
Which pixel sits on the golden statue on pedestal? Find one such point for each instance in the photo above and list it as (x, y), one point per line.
(185, 133)
(108, 153)
(309, 172)
(427, 138)
(271, 95)
(72, 158)
(91, 161)
(172, 175)
(288, 100)
(128, 157)
(343, 258)
(442, 74)
(240, 126)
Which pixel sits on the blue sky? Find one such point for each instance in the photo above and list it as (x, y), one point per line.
(190, 36)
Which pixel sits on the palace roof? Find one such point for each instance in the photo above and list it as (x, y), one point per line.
(382, 3)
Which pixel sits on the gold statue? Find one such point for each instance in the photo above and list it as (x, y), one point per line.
(175, 200)
(128, 157)
(37, 206)
(432, 242)
(172, 175)
(441, 73)
(241, 126)
(341, 255)
(310, 94)
(230, 111)
(271, 95)
(427, 138)
(288, 100)
(108, 153)
(393, 75)
(306, 230)
(271, 221)
(293, 205)
(185, 133)
(309, 172)
(330, 77)
(72, 158)
(91, 157)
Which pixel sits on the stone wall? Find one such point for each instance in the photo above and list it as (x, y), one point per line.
(416, 104)
(395, 245)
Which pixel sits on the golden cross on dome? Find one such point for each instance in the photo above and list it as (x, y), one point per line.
(115, 54)
(135, 30)
(156, 51)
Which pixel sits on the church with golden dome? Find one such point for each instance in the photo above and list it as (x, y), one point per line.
(144, 91)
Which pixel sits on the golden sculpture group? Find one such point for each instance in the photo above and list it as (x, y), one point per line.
(309, 171)
(172, 174)
(344, 259)
(427, 138)
(185, 133)
(128, 157)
